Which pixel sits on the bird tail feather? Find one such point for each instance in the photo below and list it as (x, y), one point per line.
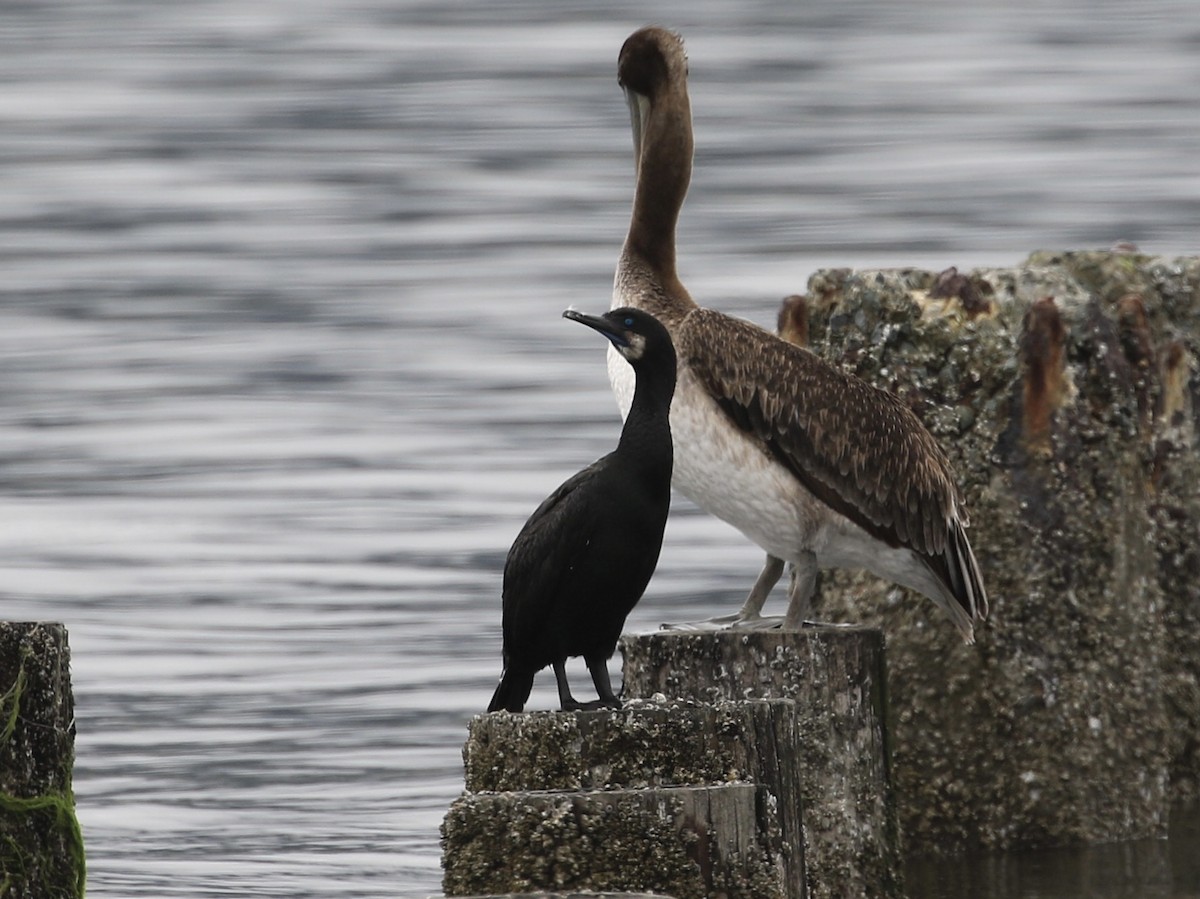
(512, 691)
(974, 581)
(970, 602)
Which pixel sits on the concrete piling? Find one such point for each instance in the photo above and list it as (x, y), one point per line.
(41, 849)
(1066, 398)
(837, 767)
(718, 787)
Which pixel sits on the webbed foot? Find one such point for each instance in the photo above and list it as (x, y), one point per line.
(710, 624)
(574, 705)
(739, 621)
(746, 623)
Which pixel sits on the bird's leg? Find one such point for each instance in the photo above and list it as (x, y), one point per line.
(599, 672)
(565, 700)
(767, 579)
(750, 614)
(598, 668)
(801, 590)
(750, 617)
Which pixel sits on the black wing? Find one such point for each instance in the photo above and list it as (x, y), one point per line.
(547, 550)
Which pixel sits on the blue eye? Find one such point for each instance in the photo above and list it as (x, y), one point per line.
(629, 323)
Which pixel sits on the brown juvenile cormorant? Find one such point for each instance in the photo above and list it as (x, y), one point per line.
(814, 465)
(585, 556)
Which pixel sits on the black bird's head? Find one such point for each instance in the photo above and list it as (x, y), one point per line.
(637, 335)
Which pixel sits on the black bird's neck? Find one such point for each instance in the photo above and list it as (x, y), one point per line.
(646, 438)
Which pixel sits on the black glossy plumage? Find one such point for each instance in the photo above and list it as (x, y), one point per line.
(585, 556)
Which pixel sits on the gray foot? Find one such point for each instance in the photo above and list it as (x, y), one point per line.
(738, 623)
(726, 623)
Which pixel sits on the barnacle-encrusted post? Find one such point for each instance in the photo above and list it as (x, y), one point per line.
(41, 850)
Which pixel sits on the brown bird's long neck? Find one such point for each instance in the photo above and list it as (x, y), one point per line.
(664, 169)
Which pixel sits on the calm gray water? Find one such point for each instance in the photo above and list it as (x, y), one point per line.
(283, 371)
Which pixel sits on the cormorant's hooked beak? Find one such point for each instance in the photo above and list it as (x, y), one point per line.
(608, 328)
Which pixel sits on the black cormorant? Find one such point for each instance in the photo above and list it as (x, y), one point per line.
(585, 556)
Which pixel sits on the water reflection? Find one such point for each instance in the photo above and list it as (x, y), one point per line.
(1141, 869)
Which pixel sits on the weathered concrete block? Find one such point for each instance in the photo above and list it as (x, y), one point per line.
(587, 895)
(682, 841)
(647, 745)
(41, 849)
(1071, 423)
(835, 677)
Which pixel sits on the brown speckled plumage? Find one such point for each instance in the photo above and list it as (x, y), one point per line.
(858, 448)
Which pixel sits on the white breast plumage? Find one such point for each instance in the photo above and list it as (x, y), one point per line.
(728, 474)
